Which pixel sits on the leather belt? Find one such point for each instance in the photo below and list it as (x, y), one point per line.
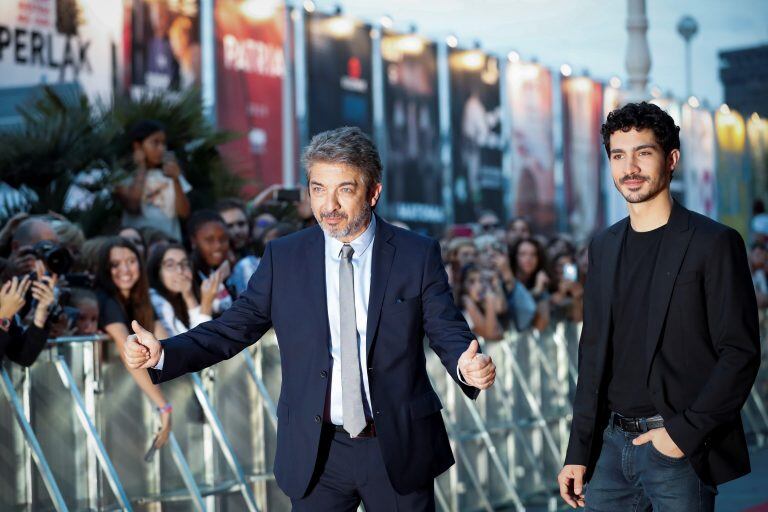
(636, 425)
(368, 431)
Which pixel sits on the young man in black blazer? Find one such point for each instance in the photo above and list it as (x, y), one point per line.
(670, 345)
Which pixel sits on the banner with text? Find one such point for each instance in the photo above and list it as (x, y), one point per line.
(60, 41)
(250, 64)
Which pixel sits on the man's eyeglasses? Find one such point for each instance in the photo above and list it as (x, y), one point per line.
(171, 265)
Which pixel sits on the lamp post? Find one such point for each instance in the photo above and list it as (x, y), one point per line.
(687, 28)
(638, 57)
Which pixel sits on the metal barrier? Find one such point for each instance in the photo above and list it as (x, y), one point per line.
(75, 426)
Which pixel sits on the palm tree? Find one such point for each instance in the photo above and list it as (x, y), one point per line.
(65, 140)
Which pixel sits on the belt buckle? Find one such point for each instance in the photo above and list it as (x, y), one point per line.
(643, 424)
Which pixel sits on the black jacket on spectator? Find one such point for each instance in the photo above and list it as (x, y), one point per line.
(702, 348)
(22, 346)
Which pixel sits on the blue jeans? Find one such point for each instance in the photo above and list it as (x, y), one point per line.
(639, 478)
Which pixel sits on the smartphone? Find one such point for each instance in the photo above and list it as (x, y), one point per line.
(151, 452)
(288, 195)
(570, 272)
(225, 269)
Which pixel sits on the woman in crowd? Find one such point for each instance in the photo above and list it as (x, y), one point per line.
(123, 295)
(479, 302)
(528, 262)
(211, 253)
(178, 302)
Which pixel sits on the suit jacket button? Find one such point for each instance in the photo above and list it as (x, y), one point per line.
(318, 419)
(323, 374)
(378, 413)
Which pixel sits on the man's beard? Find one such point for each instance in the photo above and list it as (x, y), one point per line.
(656, 187)
(353, 226)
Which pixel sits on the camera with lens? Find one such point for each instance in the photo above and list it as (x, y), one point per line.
(57, 259)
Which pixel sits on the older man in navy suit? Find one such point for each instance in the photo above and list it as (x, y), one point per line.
(350, 302)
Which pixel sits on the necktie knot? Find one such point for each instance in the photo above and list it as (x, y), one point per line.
(347, 251)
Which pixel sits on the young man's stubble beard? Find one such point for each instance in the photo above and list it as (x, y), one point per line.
(658, 186)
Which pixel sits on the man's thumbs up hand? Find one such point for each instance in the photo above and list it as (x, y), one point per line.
(141, 350)
(477, 369)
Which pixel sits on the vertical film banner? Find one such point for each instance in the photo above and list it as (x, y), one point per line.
(757, 138)
(163, 45)
(339, 73)
(414, 171)
(697, 144)
(733, 179)
(476, 135)
(529, 93)
(582, 144)
(251, 66)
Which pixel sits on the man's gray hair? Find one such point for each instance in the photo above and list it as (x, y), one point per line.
(347, 145)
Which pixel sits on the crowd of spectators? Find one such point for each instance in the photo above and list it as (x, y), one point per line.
(172, 268)
(507, 277)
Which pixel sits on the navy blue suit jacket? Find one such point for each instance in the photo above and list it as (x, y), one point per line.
(409, 297)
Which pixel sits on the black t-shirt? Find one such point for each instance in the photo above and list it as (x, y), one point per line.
(627, 391)
(111, 311)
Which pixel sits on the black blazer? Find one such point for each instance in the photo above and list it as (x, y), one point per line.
(409, 297)
(702, 346)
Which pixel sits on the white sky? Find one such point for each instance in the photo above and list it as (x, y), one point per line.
(588, 34)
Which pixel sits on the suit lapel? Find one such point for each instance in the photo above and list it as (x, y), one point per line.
(383, 254)
(609, 261)
(674, 244)
(316, 280)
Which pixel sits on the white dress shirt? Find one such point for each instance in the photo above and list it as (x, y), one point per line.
(361, 269)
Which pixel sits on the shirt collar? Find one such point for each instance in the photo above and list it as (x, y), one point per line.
(360, 244)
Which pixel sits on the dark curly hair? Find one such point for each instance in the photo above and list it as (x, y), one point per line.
(641, 116)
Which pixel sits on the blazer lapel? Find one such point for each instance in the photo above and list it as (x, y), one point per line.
(316, 281)
(609, 261)
(674, 244)
(383, 254)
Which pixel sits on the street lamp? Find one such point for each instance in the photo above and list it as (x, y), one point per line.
(687, 28)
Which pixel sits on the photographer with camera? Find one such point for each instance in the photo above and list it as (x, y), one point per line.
(25, 238)
(22, 345)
